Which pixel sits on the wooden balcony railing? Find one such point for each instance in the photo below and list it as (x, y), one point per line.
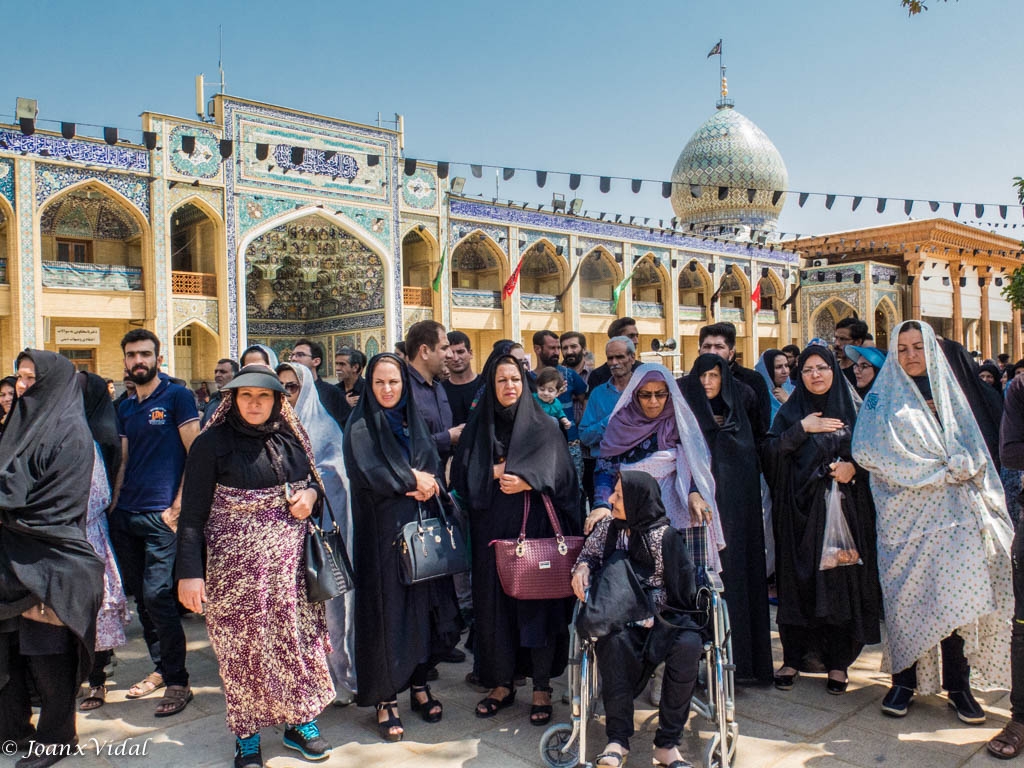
(193, 284)
(416, 297)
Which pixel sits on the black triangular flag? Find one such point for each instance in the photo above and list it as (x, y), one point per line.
(606, 183)
(933, 205)
(908, 206)
(751, 193)
(148, 137)
(723, 192)
(227, 147)
(856, 202)
(67, 130)
(508, 173)
(110, 136)
(776, 196)
(979, 210)
(666, 189)
(830, 201)
(635, 186)
(1002, 211)
(881, 205)
(956, 209)
(477, 170)
(188, 144)
(262, 150)
(442, 169)
(298, 155)
(803, 198)
(574, 181)
(410, 166)
(542, 178)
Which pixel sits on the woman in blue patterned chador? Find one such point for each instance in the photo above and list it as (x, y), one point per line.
(943, 531)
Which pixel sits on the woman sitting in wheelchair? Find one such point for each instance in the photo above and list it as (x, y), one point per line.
(642, 587)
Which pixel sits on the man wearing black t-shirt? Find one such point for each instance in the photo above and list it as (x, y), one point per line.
(463, 383)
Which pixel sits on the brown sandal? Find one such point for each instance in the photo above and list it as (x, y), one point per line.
(175, 699)
(152, 682)
(97, 698)
(1011, 736)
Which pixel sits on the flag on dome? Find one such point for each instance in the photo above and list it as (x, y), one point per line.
(717, 50)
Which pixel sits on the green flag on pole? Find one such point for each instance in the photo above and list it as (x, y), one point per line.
(617, 291)
(436, 285)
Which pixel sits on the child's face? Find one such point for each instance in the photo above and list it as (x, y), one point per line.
(547, 393)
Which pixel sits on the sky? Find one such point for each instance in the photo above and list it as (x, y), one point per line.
(859, 98)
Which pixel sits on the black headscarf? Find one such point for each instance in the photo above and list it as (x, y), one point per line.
(641, 500)
(372, 438)
(523, 434)
(280, 443)
(837, 403)
(102, 420)
(986, 404)
(727, 404)
(45, 475)
(993, 369)
(12, 381)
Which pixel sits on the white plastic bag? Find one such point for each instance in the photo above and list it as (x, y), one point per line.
(837, 546)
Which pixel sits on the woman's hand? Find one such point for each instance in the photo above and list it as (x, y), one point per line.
(581, 581)
(192, 594)
(498, 470)
(815, 422)
(301, 504)
(595, 517)
(781, 395)
(700, 512)
(426, 486)
(511, 484)
(843, 471)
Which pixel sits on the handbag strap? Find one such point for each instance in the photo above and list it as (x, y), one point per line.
(552, 517)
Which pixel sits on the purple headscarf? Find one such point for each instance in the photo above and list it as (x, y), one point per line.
(630, 426)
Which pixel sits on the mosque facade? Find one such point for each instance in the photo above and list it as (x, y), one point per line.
(348, 242)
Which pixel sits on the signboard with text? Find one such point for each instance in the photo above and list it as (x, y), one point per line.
(76, 336)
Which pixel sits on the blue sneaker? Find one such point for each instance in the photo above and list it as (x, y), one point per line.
(306, 739)
(247, 752)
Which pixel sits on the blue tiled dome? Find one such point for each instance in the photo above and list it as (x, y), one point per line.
(729, 151)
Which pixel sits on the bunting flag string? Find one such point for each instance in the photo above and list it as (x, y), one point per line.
(322, 160)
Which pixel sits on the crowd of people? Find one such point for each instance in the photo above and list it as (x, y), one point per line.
(841, 481)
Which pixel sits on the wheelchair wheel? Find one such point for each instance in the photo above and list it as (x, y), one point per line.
(713, 752)
(554, 750)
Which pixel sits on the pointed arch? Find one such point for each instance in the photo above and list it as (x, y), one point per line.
(885, 319)
(822, 322)
(470, 254)
(599, 274)
(537, 275)
(694, 284)
(420, 260)
(344, 223)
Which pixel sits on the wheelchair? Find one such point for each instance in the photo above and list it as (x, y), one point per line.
(564, 745)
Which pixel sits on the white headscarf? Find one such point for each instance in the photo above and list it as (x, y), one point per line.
(944, 535)
(325, 438)
(692, 460)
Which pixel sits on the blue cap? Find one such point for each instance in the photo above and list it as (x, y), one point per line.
(873, 355)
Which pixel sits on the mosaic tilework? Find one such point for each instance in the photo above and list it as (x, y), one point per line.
(27, 255)
(77, 216)
(596, 306)
(420, 189)
(297, 329)
(531, 236)
(51, 179)
(598, 229)
(729, 150)
(204, 162)
(213, 197)
(539, 302)
(589, 243)
(124, 158)
(187, 310)
(461, 229)
(161, 264)
(474, 299)
(7, 180)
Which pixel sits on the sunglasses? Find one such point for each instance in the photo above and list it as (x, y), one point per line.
(291, 387)
(652, 395)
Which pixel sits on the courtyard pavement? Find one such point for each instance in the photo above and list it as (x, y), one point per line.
(802, 727)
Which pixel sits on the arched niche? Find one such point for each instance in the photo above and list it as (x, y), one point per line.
(823, 320)
(197, 239)
(734, 291)
(772, 290)
(419, 265)
(599, 274)
(885, 320)
(478, 264)
(650, 281)
(543, 272)
(694, 285)
(196, 351)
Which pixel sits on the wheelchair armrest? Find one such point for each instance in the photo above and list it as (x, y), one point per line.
(713, 580)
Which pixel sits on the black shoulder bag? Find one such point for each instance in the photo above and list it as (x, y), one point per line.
(328, 570)
(431, 547)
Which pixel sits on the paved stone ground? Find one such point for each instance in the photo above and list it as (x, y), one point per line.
(802, 727)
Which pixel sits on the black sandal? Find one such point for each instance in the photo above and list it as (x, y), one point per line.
(430, 710)
(393, 721)
(491, 706)
(544, 710)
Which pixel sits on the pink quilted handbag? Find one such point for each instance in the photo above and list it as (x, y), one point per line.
(537, 569)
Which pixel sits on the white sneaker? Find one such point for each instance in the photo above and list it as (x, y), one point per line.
(659, 676)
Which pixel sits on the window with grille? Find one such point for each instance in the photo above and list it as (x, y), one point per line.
(76, 251)
(83, 359)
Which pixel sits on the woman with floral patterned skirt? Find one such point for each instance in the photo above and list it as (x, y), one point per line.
(250, 483)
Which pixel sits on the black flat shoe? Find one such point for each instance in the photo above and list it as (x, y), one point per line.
(836, 687)
(393, 721)
(430, 710)
(490, 706)
(897, 701)
(785, 682)
(967, 708)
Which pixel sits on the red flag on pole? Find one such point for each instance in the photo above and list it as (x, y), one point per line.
(755, 297)
(510, 284)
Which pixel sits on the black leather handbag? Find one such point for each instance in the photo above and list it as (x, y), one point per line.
(615, 599)
(431, 547)
(328, 570)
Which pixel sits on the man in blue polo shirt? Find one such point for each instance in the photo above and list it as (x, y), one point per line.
(157, 427)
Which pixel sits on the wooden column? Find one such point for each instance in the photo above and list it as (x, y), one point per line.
(986, 326)
(1015, 346)
(955, 271)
